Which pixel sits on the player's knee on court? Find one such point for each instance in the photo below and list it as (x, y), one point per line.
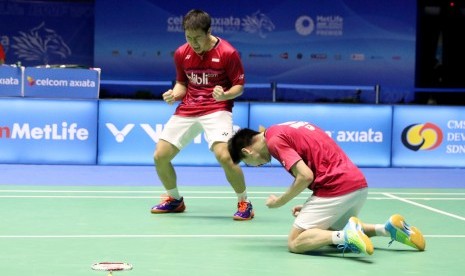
(291, 247)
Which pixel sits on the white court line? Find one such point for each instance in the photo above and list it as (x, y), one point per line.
(131, 192)
(169, 236)
(202, 197)
(140, 236)
(424, 206)
(201, 192)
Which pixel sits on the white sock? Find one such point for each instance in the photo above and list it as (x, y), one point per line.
(338, 237)
(242, 196)
(174, 193)
(381, 230)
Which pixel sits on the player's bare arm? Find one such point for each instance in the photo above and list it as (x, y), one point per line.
(303, 177)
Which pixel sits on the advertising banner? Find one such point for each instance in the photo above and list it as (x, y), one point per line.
(428, 136)
(366, 141)
(129, 131)
(42, 131)
(61, 83)
(341, 42)
(11, 81)
(36, 33)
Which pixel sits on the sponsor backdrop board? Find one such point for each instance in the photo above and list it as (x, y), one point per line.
(428, 136)
(36, 33)
(363, 131)
(42, 131)
(61, 83)
(129, 131)
(340, 42)
(11, 81)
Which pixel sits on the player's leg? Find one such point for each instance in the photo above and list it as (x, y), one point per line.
(218, 130)
(164, 153)
(178, 132)
(314, 224)
(301, 241)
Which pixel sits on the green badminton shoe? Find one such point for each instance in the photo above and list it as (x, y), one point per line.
(402, 232)
(355, 239)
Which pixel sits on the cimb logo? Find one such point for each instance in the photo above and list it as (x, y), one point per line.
(426, 136)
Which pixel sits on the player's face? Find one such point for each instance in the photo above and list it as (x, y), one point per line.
(256, 161)
(198, 40)
(256, 157)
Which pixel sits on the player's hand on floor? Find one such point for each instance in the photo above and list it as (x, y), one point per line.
(271, 201)
(296, 210)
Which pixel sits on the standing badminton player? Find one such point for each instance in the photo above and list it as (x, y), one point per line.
(329, 215)
(209, 75)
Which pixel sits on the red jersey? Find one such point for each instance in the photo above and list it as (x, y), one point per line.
(2, 53)
(335, 174)
(219, 66)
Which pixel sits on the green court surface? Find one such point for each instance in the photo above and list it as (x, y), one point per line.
(49, 230)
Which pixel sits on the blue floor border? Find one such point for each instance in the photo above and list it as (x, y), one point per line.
(98, 175)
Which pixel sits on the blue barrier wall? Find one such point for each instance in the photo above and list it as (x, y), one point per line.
(11, 81)
(428, 136)
(129, 130)
(42, 131)
(125, 132)
(367, 142)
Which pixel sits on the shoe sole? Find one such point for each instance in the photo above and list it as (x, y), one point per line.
(252, 214)
(180, 209)
(369, 249)
(415, 237)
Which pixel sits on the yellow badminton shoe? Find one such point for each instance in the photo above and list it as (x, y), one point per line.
(355, 239)
(402, 232)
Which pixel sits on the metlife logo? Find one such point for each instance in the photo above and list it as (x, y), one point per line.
(58, 132)
(46, 131)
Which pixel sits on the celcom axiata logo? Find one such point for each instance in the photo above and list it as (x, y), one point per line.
(426, 136)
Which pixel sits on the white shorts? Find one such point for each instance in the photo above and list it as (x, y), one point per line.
(330, 213)
(180, 131)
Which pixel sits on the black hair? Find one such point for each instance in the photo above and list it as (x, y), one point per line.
(197, 19)
(242, 138)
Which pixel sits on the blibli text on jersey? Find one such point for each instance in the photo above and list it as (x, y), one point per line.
(198, 79)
